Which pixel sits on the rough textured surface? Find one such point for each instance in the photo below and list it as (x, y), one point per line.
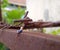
(29, 40)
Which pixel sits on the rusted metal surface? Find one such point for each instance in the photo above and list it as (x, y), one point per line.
(29, 40)
(31, 25)
(23, 20)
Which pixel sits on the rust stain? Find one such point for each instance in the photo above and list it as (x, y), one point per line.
(29, 40)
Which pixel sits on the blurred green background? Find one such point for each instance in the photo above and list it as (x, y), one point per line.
(9, 14)
(3, 47)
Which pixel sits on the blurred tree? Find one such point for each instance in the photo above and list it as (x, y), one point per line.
(0, 12)
(3, 47)
(14, 15)
(4, 3)
(10, 15)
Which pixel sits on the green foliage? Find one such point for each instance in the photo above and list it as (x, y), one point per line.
(55, 32)
(4, 3)
(15, 14)
(10, 16)
(58, 30)
(2, 46)
(44, 30)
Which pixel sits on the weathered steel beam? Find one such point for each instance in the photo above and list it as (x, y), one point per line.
(42, 24)
(23, 20)
(32, 25)
(29, 40)
(26, 14)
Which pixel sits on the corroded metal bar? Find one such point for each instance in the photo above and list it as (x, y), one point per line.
(42, 25)
(32, 25)
(23, 20)
(26, 14)
(29, 40)
(29, 25)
